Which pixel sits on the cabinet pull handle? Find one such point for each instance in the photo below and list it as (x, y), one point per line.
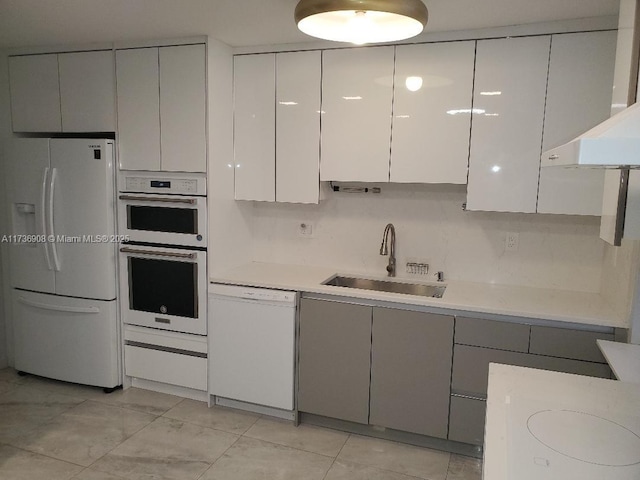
(190, 201)
(555, 156)
(158, 254)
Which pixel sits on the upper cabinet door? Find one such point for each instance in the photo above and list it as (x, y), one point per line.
(506, 132)
(182, 108)
(138, 102)
(357, 91)
(432, 112)
(298, 126)
(35, 93)
(254, 84)
(578, 97)
(87, 91)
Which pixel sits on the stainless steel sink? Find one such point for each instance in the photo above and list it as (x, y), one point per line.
(434, 291)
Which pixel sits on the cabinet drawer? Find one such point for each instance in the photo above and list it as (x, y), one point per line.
(562, 342)
(492, 334)
(471, 367)
(166, 367)
(466, 420)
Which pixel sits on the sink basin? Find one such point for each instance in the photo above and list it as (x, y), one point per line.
(433, 291)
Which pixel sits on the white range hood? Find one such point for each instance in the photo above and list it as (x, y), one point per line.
(614, 143)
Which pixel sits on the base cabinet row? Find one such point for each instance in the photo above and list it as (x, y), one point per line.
(376, 366)
(401, 369)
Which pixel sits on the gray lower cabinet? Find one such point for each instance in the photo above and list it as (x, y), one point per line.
(479, 342)
(335, 356)
(377, 366)
(466, 423)
(411, 371)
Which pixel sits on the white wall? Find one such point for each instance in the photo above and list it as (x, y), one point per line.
(555, 251)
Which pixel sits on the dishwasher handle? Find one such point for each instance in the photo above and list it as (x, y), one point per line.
(253, 294)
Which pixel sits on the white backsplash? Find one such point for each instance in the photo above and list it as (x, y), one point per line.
(555, 251)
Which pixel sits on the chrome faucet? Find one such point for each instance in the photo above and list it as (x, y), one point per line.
(385, 250)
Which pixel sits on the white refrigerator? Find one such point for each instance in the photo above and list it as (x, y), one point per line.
(63, 259)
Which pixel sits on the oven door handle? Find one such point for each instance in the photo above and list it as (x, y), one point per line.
(190, 256)
(133, 198)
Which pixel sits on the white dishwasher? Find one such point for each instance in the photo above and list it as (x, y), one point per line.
(252, 345)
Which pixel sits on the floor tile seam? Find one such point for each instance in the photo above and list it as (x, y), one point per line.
(219, 457)
(129, 409)
(202, 425)
(384, 469)
(26, 449)
(120, 443)
(289, 446)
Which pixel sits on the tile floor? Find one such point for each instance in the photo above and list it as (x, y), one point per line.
(55, 431)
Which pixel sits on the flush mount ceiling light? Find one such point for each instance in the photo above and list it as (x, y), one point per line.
(361, 21)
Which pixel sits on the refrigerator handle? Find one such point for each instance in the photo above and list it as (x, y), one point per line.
(44, 216)
(54, 249)
(58, 308)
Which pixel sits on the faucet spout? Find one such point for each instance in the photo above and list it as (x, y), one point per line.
(388, 247)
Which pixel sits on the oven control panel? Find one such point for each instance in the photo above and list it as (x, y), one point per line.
(162, 182)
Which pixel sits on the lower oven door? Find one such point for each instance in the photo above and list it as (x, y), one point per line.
(164, 288)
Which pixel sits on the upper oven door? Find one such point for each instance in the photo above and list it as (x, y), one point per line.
(163, 219)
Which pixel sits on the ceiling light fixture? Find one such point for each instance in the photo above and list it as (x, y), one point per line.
(361, 21)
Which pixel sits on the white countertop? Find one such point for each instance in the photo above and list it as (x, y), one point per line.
(623, 358)
(519, 446)
(536, 303)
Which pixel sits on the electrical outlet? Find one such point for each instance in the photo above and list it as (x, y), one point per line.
(305, 229)
(511, 242)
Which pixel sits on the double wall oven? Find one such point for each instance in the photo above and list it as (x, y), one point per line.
(163, 264)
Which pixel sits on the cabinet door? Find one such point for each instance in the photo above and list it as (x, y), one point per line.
(254, 86)
(411, 371)
(298, 127)
(35, 93)
(506, 132)
(335, 349)
(357, 91)
(182, 108)
(432, 112)
(138, 101)
(87, 91)
(578, 98)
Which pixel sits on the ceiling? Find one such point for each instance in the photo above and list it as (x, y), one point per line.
(243, 22)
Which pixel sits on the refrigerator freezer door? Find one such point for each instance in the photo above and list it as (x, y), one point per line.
(27, 176)
(82, 182)
(69, 339)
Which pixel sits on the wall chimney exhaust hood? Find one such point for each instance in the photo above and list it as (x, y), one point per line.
(614, 143)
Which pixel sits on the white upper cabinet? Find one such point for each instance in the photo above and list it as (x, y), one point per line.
(277, 127)
(182, 108)
(578, 97)
(161, 98)
(66, 92)
(35, 93)
(254, 85)
(357, 91)
(298, 88)
(138, 85)
(432, 112)
(87, 91)
(506, 133)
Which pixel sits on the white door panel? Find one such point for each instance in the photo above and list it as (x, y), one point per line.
(357, 93)
(69, 339)
(432, 112)
(27, 174)
(84, 219)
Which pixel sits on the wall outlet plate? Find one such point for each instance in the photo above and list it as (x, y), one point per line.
(512, 241)
(305, 229)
